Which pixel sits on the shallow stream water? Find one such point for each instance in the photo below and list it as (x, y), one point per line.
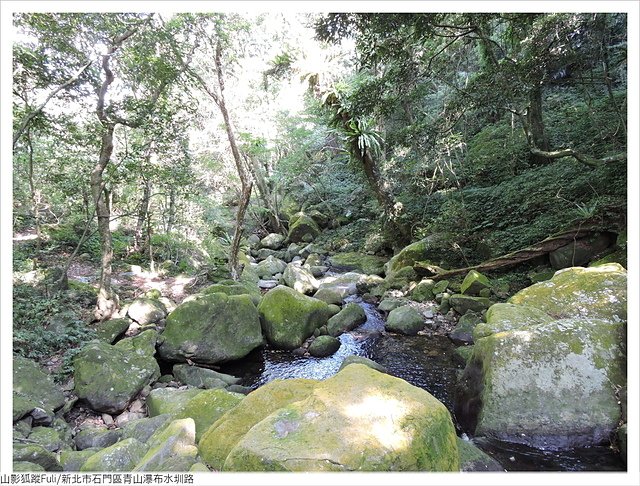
(428, 362)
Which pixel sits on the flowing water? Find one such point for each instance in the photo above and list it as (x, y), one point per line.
(428, 362)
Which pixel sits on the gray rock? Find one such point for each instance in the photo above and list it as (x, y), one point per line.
(95, 437)
(350, 317)
(146, 311)
(353, 359)
(300, 279)
(404, 320)
(324, 346)
(121, 457)
(272, 241)
(202, 377)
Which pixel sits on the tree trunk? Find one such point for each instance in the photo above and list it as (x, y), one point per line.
(255, 171)
(539, 249)
(107, 301)
(143, 210)
(171, 219)
(35, 201)
(234, 265)
(536, 135)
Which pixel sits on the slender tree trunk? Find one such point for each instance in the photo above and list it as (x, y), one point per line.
(152, 266)
(107, 300)
(143, 211)
(255, 171)
(234, 265)
(35, 200)
(536, 124)
(171, 219)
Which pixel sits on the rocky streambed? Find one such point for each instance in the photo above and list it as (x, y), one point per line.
(350, 371)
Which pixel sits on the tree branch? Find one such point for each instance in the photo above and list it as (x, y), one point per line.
(27, 119)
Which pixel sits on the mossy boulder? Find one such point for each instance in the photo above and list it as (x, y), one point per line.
(112, 329)
(423, 292)
(171, 448)
(464, 303)
(300, 279)
(143, 428)
(389, 304)
(36, 454)
(212, 329)
(404, 320)
(169, 400)
(202, 377)
(472, 459)
(350, 317)
(289, 317)
(304, 228)
(599, 292)
(358, 420)
(144, 344)
(120, 457)
(400, 278)
(26, 466)
(108, 377)
(474, 282)
(146, 311)
(72, 461)
(359, 262)
(33, 388)
(231, 287)
(96, 437)
(550, 385)
(273, 241)
(47, 437)
(506, 317)
(225, 433)
(207, 407)
(463, 332)
(340, 287)
(323, 346)
(433, 248)
(270, 266)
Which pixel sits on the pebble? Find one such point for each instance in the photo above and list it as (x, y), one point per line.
(107, 419)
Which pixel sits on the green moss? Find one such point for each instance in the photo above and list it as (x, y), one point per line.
(474, 282)
(207, 407)
(224, 434)
(121, 456)
(304, 228)
(505, 317)
(288, 317)
(169, 400)
(359, 262)
(171, 448)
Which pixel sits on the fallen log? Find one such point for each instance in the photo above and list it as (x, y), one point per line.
(426, 269)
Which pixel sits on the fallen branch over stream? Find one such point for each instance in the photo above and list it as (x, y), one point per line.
(425, 269)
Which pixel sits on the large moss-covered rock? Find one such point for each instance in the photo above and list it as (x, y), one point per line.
(350, 317)
(143, 428)
(599, 292)
(404, 320)
(270, 266)
(47, 437)
(550, 385)
(358, 420)
(207, 407)
(26, 466)
(323, 346)
(474, 282)
(202, 377)
(212, 329)
(108, 377)
(74, 460)
(359, 262)
(273, 241)
(171, 448)
(300, 279)
(464, 303)
(96, 437)
(144, 344)
(36, 454)
(110, 330)
(33, 388)
(506, 317)
(289, 317)
(225, 433)
(580, 251)
(423, 292)
(121, 457)
(145, 311)
(169, 400)
(231, 287)
(303, 229)
(419, 251)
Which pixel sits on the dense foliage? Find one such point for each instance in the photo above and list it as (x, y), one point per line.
(392, 126)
